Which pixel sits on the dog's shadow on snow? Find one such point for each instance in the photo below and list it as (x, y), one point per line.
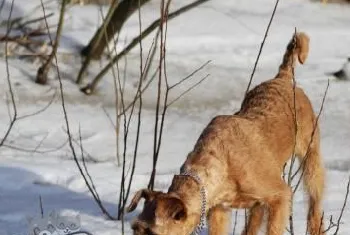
(19, 198)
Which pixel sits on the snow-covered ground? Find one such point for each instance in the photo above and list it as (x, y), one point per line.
(226, 32)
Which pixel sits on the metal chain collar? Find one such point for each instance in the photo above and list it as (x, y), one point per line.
(203, 195)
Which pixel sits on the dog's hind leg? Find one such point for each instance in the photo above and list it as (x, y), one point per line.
(256, 215)
(271, 192)
(219, 220)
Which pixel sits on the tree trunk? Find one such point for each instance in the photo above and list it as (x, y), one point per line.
(121, 13)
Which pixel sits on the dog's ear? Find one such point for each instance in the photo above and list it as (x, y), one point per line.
(143, 193)
(176, 208)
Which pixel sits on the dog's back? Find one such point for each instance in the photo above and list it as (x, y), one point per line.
(279, 108)
(267, 118)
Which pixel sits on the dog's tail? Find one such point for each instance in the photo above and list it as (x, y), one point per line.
(298, 47)
(314, 184)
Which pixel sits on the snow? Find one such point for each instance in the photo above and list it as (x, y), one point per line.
(229, 34)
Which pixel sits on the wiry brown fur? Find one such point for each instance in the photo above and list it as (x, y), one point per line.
(240, 159)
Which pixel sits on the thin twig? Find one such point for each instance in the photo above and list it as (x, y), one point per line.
(90, 87)
(36, 149)
(291, 218)
(35, 20)
(109, 117)
(115, 85)
(2, 5)
(188, 90)
(43, 109)
(343, 207)
(190, 75)
(41, 207)
(261, 47)
(137, 138)
(70, 139)
(245, 222)
(14, 106)
(143, 70)
(235, 223)
(85, 166)
(127, 108)
(331, 225)
(158, 130)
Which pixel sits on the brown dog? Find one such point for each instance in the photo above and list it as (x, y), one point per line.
(238, 160)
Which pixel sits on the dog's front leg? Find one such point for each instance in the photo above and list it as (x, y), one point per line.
(219, 220)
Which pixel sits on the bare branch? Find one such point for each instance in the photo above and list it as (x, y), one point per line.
(36, 149)
(261, 47)
(343, 208)
(70, 139)
(90, 87)
(291, 219)
(190, 75)
(41, 207)
(35, 20)
(85, 167)
(235, 223)
(188, 90)
(157, 139)
(14, 106)
(43, 109)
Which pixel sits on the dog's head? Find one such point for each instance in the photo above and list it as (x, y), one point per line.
(162, 214)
